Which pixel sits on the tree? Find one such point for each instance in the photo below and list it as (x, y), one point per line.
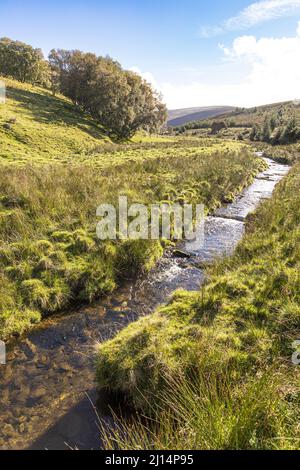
(130, 104)
(255, 133)
(24, 63)
(217, 126)
(266, 134)
(277, 137)
(291, 132)
(273, 123)
(120, 100)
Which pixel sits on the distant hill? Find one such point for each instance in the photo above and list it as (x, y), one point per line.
(277, 123)
(247, 117)
(178, 117)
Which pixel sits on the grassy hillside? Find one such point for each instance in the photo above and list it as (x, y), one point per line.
(178, 117)
(248, 117)
(35, 126)
(216, 366)
(56, 168)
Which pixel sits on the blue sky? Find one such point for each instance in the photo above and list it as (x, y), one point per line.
(195, 52)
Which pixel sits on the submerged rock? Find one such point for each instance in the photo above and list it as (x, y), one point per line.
(181, 254)
(38, 392)
(29, 349)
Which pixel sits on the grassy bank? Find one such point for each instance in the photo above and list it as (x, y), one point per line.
(213, 369)
(287, 154)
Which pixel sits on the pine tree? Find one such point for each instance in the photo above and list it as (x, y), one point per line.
(266, 134)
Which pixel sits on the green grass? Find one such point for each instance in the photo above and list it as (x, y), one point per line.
(287, 154)
(235, 336)
(37, 127)
(51, 183)
(209, 413)
(195, 365)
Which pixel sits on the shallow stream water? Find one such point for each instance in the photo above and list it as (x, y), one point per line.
(47, 388)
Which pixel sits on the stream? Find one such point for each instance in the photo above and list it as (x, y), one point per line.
(47, 388)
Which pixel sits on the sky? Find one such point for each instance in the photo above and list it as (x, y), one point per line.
(195, 53)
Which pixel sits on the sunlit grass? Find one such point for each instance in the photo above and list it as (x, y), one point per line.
(210, 413)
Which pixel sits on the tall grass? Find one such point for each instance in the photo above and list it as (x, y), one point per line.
(209, 413)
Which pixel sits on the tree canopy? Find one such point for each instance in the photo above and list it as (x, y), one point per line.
(119, 99)
(24, 63)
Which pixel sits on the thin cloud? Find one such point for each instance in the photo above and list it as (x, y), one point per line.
(256, 13)
(269, 72)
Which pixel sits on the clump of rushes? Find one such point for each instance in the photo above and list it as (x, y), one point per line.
(209, 412)
(49, 252)
(238, 331)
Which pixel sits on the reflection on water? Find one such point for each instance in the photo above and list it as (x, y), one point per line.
(48, 382)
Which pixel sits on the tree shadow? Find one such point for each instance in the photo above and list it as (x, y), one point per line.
(79, 428)
(48, 109)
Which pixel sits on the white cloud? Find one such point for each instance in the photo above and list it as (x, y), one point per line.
(269, 72)
(148, 76)
(258, 12)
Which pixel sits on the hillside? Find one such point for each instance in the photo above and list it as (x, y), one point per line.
(36, 125)
(178, 117)
(275, 124)
(257, 115)
(249, 117)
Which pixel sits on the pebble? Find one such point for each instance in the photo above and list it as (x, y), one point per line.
(8, 430)
(22, 428)
(5, 395)
(8, 371)
(38, 392)
(43, 359)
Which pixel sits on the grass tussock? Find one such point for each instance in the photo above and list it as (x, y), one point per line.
(242, 323)
(208, 413)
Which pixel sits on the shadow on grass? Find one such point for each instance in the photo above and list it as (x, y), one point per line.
(49, 109)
